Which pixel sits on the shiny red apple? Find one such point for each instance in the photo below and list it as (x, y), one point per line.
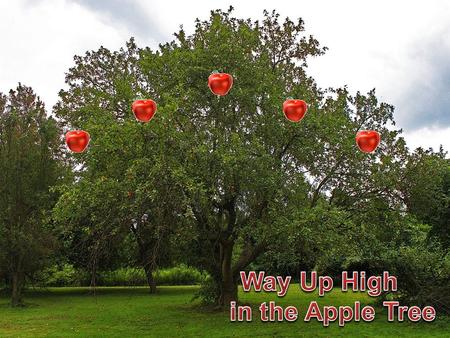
(367, 140)
(294, 110)
(144, 110)
(220, 83)
(77, 140)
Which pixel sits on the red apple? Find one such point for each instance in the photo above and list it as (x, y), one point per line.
(367, 140)
(294, 110)
(77, 140)
(144, 110)
(220, 83)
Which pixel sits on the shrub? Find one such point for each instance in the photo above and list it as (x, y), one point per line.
(179, 275)
(122, 277)
(422, 271)
(423, 276)
(208, 292)
(64, 275)
(67, 275)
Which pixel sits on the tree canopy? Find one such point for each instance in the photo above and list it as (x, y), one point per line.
(30, 164)
(231, 171)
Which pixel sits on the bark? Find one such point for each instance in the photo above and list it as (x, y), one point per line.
(229, 292)
(150, 280)
(16, 288)
(228, 281)
(146, 261)
(248, 255)
(228, 287)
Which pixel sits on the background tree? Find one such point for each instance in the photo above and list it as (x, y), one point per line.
(88, 218)
(426, 191)
(30, 163)
(123, 175)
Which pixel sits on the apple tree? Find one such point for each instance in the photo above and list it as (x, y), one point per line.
(233, 170)
(250, 176)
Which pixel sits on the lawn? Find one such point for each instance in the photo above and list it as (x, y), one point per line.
(132, 312)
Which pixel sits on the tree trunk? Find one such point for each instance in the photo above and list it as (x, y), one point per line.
(16, 289)
(146, 261)
(228, 292)
(228, 287)
(150, 280)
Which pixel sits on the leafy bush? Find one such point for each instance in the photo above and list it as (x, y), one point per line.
(208, 292)
(64, 275)
(122, 277)
(423, 276)
(406, 250)
(67, 275)
(422, 271)
(179, 275)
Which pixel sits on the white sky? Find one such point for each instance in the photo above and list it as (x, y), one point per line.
(402, 48)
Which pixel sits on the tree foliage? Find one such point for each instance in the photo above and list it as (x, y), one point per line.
(232, 170)
(30, 164)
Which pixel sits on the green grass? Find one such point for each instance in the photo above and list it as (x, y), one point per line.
(132, 312)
